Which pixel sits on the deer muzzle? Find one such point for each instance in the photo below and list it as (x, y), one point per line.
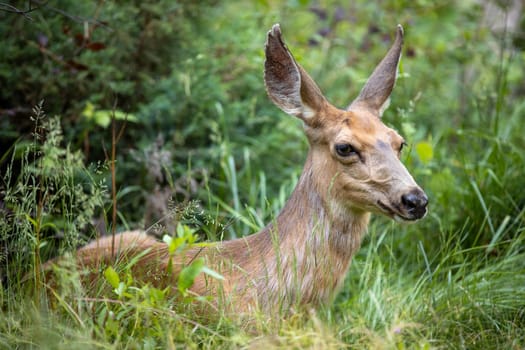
(414, 204)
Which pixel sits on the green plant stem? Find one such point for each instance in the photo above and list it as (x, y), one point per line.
(113, 187)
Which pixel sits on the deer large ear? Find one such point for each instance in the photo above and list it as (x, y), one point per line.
(287, 83)
(376, 92)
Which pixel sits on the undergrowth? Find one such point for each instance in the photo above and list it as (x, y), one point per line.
(447, 295)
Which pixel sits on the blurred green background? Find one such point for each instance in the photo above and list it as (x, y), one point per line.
(188, 78)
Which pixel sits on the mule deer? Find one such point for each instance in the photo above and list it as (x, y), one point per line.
(352, 169)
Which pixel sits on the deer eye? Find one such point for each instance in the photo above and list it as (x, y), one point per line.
(345, 150)
(403, 144)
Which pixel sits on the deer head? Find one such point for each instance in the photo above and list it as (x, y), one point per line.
(354, 158)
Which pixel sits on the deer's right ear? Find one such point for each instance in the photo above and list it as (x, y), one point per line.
(287, 83)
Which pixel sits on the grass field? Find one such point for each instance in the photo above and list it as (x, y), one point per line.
(205, 152)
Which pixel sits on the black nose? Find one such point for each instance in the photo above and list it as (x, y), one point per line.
(415, 203)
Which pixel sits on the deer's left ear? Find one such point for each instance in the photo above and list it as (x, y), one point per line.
(375, 94)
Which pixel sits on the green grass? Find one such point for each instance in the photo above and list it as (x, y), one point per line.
(459, 303)
(433, 293)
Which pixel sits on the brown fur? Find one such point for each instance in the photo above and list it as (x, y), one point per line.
(303, 256)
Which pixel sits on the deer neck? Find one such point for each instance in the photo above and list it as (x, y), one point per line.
(312, 243)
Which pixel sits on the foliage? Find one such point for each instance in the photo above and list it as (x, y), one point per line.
(52, 202)
(204, 154)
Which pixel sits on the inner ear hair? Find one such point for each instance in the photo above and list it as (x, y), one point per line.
(288, 85)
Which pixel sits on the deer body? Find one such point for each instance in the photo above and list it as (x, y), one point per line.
(352, 169)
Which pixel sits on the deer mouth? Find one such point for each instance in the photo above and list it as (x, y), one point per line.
(396, 213)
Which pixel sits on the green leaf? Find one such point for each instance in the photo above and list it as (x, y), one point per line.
(189, 273)
(425, 151)
(169, 268)
(212, 273)
(180, 230)
(31, 220)
(103, 117)
(175, 244)
(88, 111)
(49, 225)
(120, 289)
(167, 239)
(112, 277)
